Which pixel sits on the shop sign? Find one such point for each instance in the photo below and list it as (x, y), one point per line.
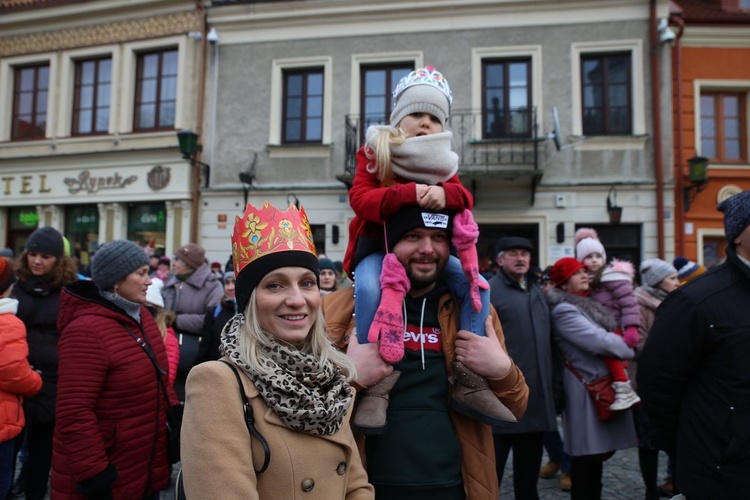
(158, 177)
(92, 184)
(27, 184)
(23, 218)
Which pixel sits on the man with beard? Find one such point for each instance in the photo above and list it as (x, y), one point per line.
(429, 451)
(524, 314)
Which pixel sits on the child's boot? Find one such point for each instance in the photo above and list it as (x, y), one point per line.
(625, 396)
(465, 235)
(372, 404)
(471, 396)
(388, 325)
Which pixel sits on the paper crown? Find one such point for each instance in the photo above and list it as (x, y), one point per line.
(267, 238)
(424, 76)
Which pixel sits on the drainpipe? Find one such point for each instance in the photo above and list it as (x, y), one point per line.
(656, 104)
(679, 180)
(194, 212)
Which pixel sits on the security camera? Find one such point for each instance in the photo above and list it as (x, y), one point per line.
(213, 36)
(666, 35)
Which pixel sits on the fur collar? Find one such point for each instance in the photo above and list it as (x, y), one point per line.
(591, 308)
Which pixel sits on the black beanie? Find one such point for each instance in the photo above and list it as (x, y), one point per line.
(412, 217)
(46, 240)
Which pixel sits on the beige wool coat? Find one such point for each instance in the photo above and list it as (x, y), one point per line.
(219, 457)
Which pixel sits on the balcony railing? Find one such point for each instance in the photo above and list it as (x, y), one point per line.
(492, 143)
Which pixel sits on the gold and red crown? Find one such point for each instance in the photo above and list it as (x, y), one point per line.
(267, 230)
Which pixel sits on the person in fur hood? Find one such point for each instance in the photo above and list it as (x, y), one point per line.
(612, 286)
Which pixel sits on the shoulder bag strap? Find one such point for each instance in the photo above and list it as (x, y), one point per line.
(150, 353)
(250, 420)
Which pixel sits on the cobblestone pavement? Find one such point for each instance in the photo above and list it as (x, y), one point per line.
(621, 479)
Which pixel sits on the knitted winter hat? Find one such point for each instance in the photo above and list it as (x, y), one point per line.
(229, 275)
(687, 269)
(736, 215)
(191, 254)
(327, 264)
(165, 260)
(587, 242)
(411, 217)
(7, 276)
(153, 293)
(653, 271)
(424, 90)
(46, 240)
(114, 261)
(563, 269)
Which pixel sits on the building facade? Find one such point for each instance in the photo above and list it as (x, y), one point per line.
(91, 95)
(711, 89)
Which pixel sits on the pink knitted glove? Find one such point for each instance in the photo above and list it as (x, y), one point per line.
(388, 325)
(465, 234)
(631, 336)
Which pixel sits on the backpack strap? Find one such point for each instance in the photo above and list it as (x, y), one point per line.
(250, 420)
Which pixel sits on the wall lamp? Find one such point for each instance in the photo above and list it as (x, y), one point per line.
(613, 210)
(189, 147)
(247, 177)
(698, 177)
(291, 198)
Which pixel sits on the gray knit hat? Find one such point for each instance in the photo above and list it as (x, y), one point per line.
(424, 90)
(736, 215)
(114, 261)
(653, 271)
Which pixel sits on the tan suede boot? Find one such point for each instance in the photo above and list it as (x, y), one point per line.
(471, 396)
(372, 403)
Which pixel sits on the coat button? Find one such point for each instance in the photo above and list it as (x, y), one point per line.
(341, 469)
(308, 485)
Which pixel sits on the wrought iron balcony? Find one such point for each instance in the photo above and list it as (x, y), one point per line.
(491, 145)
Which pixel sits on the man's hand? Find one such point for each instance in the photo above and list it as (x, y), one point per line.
(483, 355)
(371, 368)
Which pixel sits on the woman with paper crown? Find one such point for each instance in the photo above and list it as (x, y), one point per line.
(410, 164)
(297, 384)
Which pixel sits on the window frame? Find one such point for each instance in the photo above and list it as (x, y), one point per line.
(701, 86)
(306, 73)
(506, 109)
(15, 96)
(139, 58)
(605, 87)
(719, 131)
(75, 110)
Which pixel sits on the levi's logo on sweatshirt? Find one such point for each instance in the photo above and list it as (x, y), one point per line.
(433, 338)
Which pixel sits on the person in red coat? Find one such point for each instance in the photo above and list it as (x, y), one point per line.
(110, 433)
(17, 378)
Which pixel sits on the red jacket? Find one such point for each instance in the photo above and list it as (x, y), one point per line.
(173, 354)
(373, 203)
(17, 379)
(111, 409)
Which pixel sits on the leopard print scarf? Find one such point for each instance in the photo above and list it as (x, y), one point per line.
(307, 396)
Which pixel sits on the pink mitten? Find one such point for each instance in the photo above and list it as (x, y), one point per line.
(631, 336)
(465, 234)
(388, 325)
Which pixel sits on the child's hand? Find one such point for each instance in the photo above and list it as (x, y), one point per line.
(433, 198)
(421, 191)
(631, 336)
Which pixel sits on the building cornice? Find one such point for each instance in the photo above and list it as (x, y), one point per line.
(716, 36)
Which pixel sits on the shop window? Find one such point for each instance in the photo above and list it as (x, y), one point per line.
(30, 94)
(22, 221)
(82, 230)
(147, 224)
(319, 237)
(621, 241)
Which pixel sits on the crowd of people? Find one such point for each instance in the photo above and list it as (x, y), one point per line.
(401, 372)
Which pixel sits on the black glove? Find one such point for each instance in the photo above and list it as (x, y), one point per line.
(99, 487)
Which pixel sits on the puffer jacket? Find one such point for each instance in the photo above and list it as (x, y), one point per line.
(191, 298)
(475, 438)
(614, 290)
(111, 409)
(17, 379)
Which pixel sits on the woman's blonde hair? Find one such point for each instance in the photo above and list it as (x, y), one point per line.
(252, 338)
(379, 149)
(164, 319)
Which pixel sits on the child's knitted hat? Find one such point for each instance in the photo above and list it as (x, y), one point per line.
(587, 242)
(424, 90)
(687, 269)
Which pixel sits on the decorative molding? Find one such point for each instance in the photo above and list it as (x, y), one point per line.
(716, 36)
(101, 34)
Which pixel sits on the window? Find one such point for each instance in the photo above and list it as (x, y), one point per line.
(302, 114)
(30, 93)
(93, 80)
(156, 90)
(506, 98)
(378, 82)
(722, 124)
(606, 94)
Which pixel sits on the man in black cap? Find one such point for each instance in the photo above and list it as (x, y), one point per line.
(694, 375)
(522, 307)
